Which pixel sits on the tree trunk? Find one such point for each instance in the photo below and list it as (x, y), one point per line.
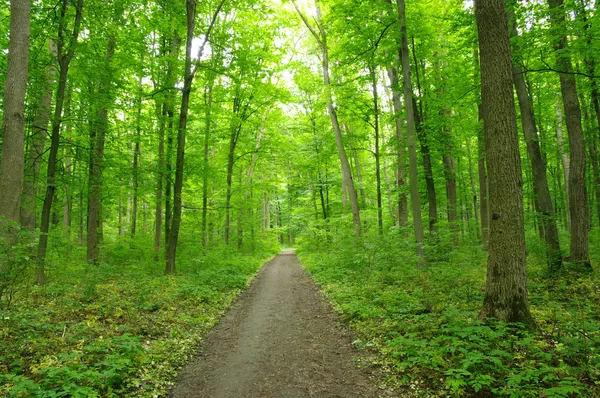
(136, 160)
(564, 159)
(161, 113)
(12, 163)
(410, 121)
(541, 189)
(506, 296)
(377, 154)
(173, 236)
(64, 61)
(41, 120)
(321, 38)
(577, 180)
(400, 140)
(208, 99)
(97, 160)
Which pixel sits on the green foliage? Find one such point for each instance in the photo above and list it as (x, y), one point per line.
(120, 329)
(424, 321)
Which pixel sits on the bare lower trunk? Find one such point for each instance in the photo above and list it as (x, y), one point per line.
(563, 157)
(12, 163)
(161, 113)
(506, 297)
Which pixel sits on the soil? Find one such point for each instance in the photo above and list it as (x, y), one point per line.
(280, 339)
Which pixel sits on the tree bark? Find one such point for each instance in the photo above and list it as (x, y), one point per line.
(564, 158)
(541, 189)
(12, 163)
(577, 190)
(136, 159)
(410, 121)
(506, 297)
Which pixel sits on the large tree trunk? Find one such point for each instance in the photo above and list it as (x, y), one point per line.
(540, 182)
(564, 158)
(410, 121)
(64, 60)
(41, 120)
(12, 164)
(484, 211)
(506, 296)
(577, 180)
(97, 159)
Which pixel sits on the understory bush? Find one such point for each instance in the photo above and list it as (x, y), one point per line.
(423, 321)
(119, 329)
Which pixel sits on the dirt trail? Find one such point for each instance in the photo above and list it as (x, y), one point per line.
(280, 339)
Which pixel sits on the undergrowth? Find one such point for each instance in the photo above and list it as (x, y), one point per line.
(424, 321)
(120, 329)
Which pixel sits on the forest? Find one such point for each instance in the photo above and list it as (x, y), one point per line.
(434, 164)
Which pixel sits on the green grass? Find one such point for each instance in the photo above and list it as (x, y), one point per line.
(120, 329)
(424, 322)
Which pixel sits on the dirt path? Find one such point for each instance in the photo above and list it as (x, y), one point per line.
(280, 339)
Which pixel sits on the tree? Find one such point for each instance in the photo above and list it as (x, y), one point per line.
(506, 296)
(410, 122)
(188, 79)
(577, 191)
(13, 124)
(348, 182)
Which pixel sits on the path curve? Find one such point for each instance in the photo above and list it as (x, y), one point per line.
(280, 339)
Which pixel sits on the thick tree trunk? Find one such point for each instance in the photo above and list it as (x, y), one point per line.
(541, 189)
(233, 139)
(95, 177)
(410, 121)
(577, 173)
(64, 61)
(506, 296)
(12, 163)
(473, 189)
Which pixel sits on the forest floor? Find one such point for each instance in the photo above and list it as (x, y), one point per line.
(280, 339)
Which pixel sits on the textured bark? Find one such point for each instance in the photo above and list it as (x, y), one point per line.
(577, 190)
(410, 122)
(473, 189)
(97, 160)
(506, 295)
(64, 60)
(484, 212)
(41, 120)
(12, 163)
(401, 151)
(564, 158)
(541, 190)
